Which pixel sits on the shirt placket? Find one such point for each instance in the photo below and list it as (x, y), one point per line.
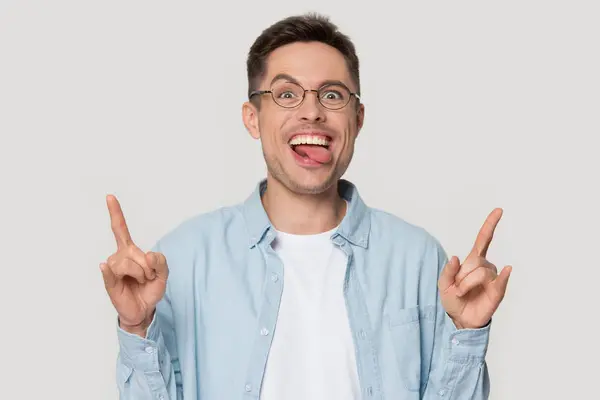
(366, 357)
(266, 320)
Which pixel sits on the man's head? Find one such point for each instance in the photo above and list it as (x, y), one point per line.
(307, 137)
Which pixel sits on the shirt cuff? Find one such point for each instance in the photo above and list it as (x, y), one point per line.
(141, 353)
(468, 343)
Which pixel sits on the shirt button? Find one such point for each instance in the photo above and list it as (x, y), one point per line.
(161, 397)
(362, 334)
(274, 278)
(442, 392)
(264, 331)
(455, 341)
(370, 391)
(149, 350)
(248, 388)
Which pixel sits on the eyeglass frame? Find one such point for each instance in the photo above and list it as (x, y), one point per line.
(291, 80)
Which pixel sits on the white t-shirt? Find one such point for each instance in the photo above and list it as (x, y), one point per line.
(312, 354)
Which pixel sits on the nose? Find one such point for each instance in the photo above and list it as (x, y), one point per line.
(311, 110)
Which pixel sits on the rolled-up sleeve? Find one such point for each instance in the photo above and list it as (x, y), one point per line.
(148, 367)
(458, 367)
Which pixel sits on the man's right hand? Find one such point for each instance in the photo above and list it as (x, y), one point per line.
(134, 280)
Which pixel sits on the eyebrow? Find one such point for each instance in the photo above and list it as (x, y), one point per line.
(290, 78)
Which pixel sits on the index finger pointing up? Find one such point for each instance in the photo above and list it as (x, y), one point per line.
(486, 233)
(117, 222)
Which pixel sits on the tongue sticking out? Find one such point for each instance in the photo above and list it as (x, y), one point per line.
(314, 152)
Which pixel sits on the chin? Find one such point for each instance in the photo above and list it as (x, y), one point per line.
(313, 184)
(311, 188)
(305, 181)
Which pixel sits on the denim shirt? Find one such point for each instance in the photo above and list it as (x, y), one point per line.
(212, 331)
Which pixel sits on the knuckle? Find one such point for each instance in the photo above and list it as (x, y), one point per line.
(136, 256)
(112, 260)
(118, 272)
(142, 261)
(152, 256)
(130, 264)
(126, 268)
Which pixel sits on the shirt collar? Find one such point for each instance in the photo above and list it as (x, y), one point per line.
(355, 225)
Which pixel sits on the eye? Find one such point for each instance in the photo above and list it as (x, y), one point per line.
(332, 95)
(288, 94)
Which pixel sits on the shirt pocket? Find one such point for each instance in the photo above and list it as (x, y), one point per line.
(124, 373)
(407, 326)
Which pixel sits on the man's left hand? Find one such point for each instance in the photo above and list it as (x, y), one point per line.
(471, 292)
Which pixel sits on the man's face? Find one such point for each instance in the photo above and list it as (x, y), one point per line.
(307, 147)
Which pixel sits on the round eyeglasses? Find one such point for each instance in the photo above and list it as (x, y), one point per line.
(286, 94)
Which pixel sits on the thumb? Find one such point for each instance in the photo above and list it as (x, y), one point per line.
(501, 281)
(449, 273)
(158, 263)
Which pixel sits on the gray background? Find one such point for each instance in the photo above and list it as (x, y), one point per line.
(469, 106)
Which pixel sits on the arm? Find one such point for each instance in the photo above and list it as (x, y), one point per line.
(467, 296)
(136, 283)
(458, 368)
(148, 365)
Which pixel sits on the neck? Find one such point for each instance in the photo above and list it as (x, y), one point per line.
(302, 214)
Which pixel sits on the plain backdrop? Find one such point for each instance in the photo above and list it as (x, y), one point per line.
(469, 106)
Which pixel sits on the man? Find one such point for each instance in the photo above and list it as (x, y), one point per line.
(302, 291)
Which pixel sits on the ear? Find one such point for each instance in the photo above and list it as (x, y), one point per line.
(360, 118)
(250, 118)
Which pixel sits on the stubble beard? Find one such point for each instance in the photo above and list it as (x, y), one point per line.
(277, 171)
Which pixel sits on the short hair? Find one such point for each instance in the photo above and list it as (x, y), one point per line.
(307, 27)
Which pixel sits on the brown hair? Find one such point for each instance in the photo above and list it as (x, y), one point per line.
(300, 28)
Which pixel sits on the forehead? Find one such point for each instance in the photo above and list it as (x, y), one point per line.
(310, 63)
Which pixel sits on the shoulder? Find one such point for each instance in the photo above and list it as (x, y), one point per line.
(201, 241)
(203, 228)
(389, 225)
(397, 233)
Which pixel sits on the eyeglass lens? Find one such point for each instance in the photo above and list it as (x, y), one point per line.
(289, 94)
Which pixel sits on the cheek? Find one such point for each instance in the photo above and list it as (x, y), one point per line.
(346, 125)
(273, 125)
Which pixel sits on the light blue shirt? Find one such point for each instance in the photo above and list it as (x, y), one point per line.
(212, 331)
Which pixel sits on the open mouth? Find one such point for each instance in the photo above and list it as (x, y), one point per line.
(312, 140)
(315, 148)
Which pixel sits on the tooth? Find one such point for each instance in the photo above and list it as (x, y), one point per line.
(306, 139)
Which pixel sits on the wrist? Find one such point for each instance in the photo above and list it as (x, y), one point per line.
(140, 329)
(457, 324)
(460, 325)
